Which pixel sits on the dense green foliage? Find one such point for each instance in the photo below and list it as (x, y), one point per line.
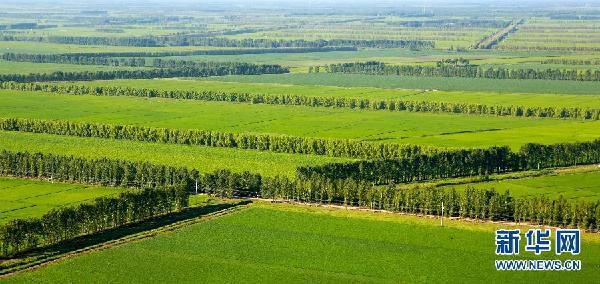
(565, 61)
(314, 188)
(202, 69)
(65, 223)
(313, 101)
(459, 163)
(190, 40)
(71, 59)
(469, 71)
(91, 56)
(262, 142)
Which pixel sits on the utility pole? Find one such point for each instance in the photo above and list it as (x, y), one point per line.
(442, 217)
(196, 186)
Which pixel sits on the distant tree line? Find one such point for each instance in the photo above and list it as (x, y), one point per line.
(25, 26)
(66, 223)
(380, 68)
(203, 69)
(315, 101)
(262, 142)
(454, 23)
(480, 204)
(212, 52)
(135, 59)
(565, 61)
(69, 59)
(495, 38)
(483, 204)
(459, 163)
(192, 40)
(549, 47)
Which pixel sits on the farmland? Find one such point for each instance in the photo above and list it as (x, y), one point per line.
(298, 244)
(400, 127)
(297, 142)
(202, 158)
(30, 198)
(490, 98)
(445, 84)
(573, 185)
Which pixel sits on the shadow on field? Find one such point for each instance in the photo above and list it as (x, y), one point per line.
(50, 253)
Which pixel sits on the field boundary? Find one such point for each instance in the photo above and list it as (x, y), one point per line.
(384, 211)
(222, 209)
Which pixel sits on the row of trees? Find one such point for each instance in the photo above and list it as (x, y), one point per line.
(211, 52)
(469, 71)
(566, 61)
(485, 204)
(315, 188)
(480, 204)
(66, 223)
(262, 142)
(203, 69)
(70, 59)
(135, 59)
(459, 163)
(193, 40)
(315, 101)
(495, 38)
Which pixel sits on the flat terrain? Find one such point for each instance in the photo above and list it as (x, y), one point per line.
(578, 186)
(12, 67)
(488, 98)
(22, 198)
(205, 159)
(445, 130)
(283, 243)
(439, 83)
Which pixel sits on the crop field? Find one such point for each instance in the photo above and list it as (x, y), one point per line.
(555, 35)
(572, 185)
(303, 244)
(21, 198)
(57, 48)
(205, 159)
(8, 67)
(399, 127)
(236, 141)
(489, 98)
(438, 83)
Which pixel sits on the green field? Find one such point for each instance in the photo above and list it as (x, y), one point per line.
(446, 130)
(10, 67)
(21, 198)
(44, 47)
(488, 98)
(291, 244)
(205, 159)
(293, 220)
(439, 83)
(579, 186)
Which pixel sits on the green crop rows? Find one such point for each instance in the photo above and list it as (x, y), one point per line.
(299, 244)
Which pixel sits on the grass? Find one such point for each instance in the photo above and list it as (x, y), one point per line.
(488, 98)
(23, 198)
(578, 186)
(445, 130)
(44, 47)
(205, 159)
(439, 83)
(296, 244)
(11, 67)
